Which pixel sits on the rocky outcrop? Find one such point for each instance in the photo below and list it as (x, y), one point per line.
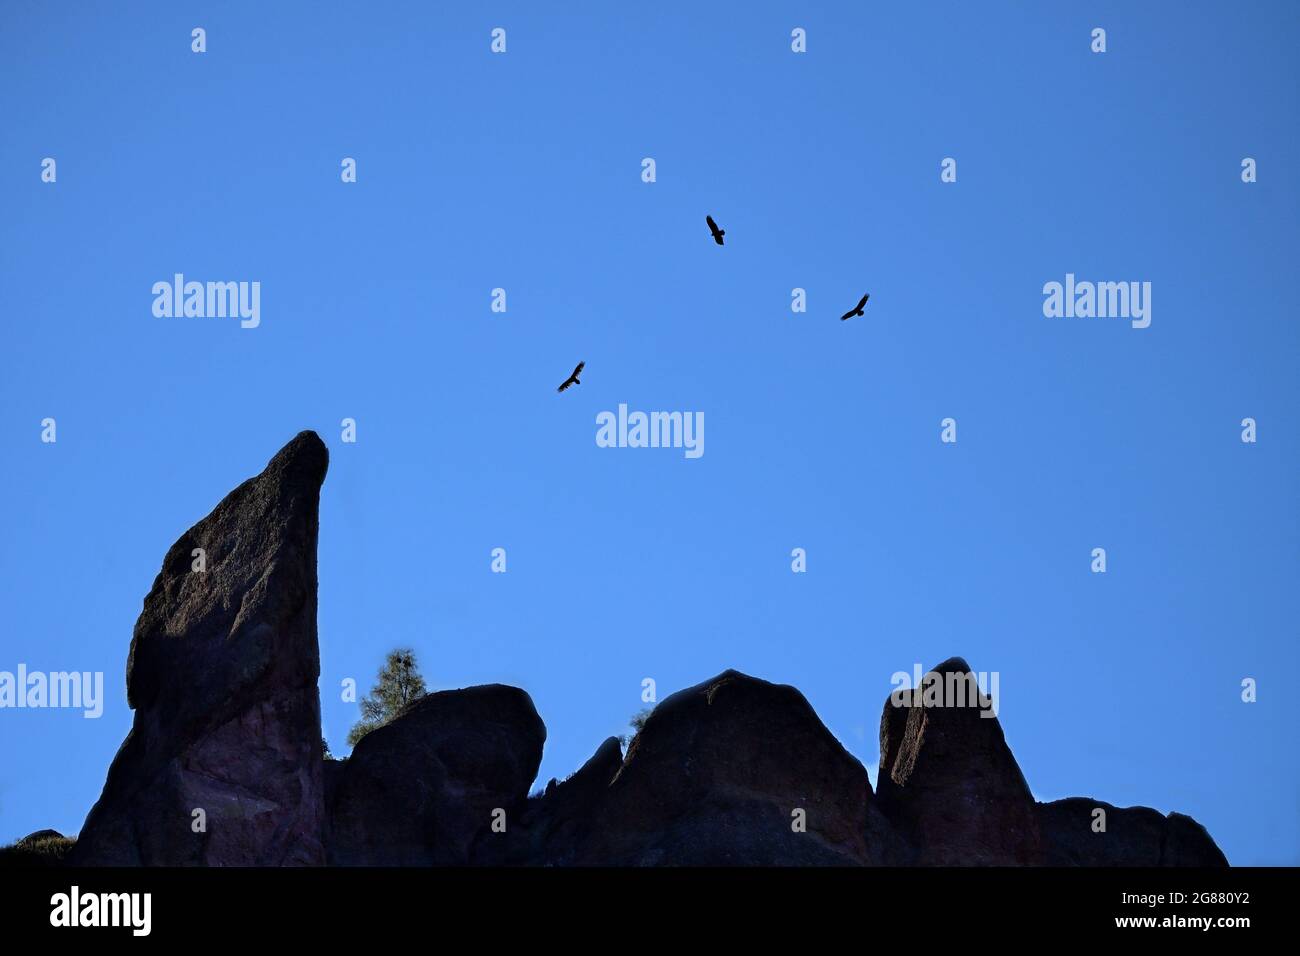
(40, 836)
(222, 765)
(734, 771)
(421, 789)
(718, 770)
(552, 824)
(44, 848)
(951, 788)
(947, 779)
(1076, 834)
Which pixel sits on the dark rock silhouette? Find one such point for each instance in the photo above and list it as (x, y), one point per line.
(716, 777)
(419, 789)
(1134, 836)
(222, 677)
(947, 778)
(38, 835)
(44, 848)
(733, 771)
(552, 825)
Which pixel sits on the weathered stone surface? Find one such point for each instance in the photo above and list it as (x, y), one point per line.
(222, 677)
(551, 824)
(715, 776)
(947, 779)
(1134, 836)
(419, 790)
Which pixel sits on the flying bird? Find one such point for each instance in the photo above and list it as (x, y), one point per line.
(713, 228)
(857, 309)
(572, 379)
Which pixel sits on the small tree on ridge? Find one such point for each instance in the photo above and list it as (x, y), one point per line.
(397, 686)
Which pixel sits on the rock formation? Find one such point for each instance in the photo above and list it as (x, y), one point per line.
(948, 780)
(550, 826)
(1134, 836)
(222, 677)
(733, 771)
(418, 790)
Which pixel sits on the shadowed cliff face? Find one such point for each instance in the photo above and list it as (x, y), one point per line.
(947, 778)
(733, 771)
(418, 790)
(718, 771)
(1133, 836)
(222, 677)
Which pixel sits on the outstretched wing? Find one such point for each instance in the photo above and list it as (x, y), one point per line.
(713, 226)
(572, 378)
(857, 309)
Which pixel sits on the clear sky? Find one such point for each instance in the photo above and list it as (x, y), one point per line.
(523, 171)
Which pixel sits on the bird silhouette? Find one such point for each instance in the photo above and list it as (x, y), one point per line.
(857, 309)
(713, 228)
(572, 379)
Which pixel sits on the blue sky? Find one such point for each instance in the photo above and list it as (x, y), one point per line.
(523, 171)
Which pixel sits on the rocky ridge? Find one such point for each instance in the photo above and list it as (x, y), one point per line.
(734, 771)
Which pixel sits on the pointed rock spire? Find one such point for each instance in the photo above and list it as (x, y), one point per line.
(223, 762)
